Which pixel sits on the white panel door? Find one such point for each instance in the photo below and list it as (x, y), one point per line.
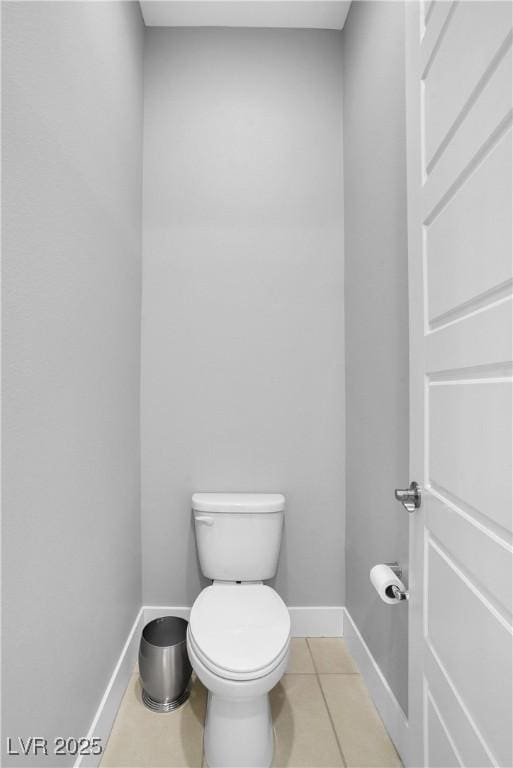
(459, 129)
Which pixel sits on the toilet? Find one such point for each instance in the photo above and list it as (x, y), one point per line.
(238, 636)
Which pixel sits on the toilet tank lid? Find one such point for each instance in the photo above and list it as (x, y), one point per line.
(238, 502)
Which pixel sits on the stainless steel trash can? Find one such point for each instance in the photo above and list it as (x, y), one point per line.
(164, 665)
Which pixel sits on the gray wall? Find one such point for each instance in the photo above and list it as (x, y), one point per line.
(72, 130)
(376, 298)
(242, 327)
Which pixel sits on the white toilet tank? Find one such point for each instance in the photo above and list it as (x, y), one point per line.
(238, 534)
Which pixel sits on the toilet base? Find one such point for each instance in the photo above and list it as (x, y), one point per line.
(238, 732)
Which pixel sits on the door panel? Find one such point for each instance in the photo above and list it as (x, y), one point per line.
(458, 722)
(459, 132)
(435, 23)
(465, 534)
(473, 346)
(462, 626)
(457, 67)
(468, 435)
(487, 117)
(428, 8)
(441, 750)
(461, 265)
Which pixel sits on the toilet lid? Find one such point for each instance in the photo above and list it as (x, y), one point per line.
(240, 628)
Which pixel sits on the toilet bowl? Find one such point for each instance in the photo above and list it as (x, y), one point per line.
(238, 643)
(238, 636)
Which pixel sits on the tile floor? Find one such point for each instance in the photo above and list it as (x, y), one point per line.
(323, 718)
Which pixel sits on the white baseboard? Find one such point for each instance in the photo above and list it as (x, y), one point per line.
(306, 621)
(114, 692)
(385, 702)
(317, 621)
(151, 612)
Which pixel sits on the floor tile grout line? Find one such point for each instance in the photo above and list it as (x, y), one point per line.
(311, 655)
(289, 674)
(333, 674)
(318, 671)
(339, 745)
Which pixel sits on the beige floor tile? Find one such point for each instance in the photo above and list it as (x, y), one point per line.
(300, 661)
(304, 735)
(144, 739)
(361, 733)
(331, 656)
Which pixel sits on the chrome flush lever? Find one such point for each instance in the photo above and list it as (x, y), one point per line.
(204, 519)
(410, 497)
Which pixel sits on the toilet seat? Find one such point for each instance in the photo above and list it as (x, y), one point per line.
(239, 631)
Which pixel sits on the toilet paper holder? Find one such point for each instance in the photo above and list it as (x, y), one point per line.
(394, 591)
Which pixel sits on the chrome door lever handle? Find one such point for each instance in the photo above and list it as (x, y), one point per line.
(410, 497)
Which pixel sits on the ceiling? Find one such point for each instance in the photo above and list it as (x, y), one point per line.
(312, 14)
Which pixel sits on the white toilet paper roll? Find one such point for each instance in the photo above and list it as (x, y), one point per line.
(382, 578)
